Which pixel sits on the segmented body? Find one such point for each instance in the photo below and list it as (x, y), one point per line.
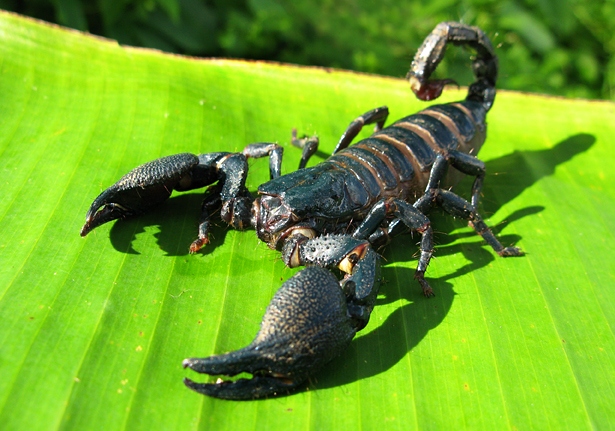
(394, 162)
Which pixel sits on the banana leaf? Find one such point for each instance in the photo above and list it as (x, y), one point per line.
(93, 330)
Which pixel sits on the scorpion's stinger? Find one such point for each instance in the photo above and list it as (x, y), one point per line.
(431, 52)
(305, 326)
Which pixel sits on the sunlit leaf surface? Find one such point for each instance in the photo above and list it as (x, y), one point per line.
(93, 331)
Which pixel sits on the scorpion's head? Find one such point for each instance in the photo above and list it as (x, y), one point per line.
(272, 216)
(298, 200)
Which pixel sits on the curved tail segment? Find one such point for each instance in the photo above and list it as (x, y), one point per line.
(431, 52)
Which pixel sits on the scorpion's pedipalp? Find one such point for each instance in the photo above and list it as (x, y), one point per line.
(305, 326)
(354, 257)
(141, 189)
(152, 183)
(247, 360)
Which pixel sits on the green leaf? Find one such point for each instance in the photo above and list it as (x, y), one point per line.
(94, 330)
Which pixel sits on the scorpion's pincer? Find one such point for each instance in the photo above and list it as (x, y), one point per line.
(305, 326)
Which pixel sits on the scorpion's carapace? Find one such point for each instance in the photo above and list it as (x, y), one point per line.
(332, 215)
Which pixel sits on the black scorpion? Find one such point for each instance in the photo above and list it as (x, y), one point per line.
(381, 186)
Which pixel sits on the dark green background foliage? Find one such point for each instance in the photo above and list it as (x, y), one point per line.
(549, 46)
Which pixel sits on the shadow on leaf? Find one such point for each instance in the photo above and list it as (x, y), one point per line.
(374, 352)
(384, 346)
(177, 220)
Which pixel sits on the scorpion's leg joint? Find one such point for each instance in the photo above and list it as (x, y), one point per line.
(309, 146)
(264, 149)
(291, 248)
(510, 251)
(357, 260)
(362, 284)
(349, 261)
(328, 250)
(469, 165)
(459, 207)
(414, 219)
(427, 290)
(237, 211)
(229, 195)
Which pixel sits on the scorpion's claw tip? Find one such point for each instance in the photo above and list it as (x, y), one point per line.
(241, 389)
(105, 208)
(198, 244)
(511, 251)
(305, 326)
(263, 381)
(98, 216)
(187, 363)
(85, 229)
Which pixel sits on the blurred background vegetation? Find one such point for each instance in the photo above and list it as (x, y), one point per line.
(562, 47)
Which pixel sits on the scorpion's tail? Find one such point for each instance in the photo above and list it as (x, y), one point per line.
(429, 55)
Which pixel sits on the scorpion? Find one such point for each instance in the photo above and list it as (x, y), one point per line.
(332, 215)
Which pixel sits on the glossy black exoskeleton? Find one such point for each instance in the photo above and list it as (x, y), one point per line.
(331, 215)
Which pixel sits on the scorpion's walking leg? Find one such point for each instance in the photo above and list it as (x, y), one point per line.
(414, 220)
(378, 116)
(459, 207)
(308, 144)
(456, 205)
(230, 195)
(264, 149)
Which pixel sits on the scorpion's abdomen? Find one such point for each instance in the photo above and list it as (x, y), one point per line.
(396, 160)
